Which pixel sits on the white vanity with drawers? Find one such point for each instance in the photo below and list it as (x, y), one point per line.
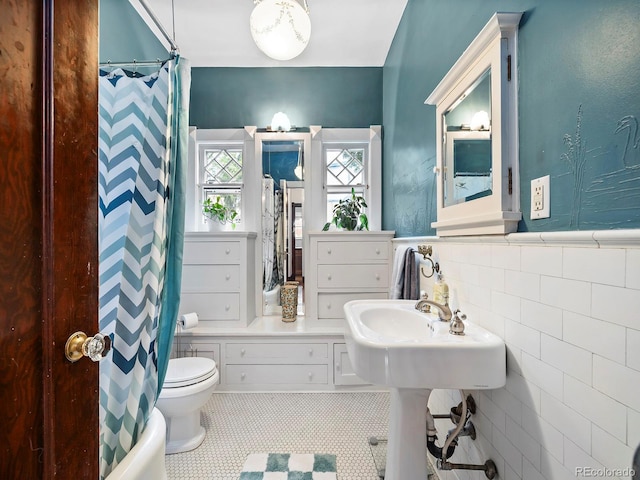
(258, 353)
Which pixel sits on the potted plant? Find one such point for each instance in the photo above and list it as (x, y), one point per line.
(218, 214)
(347, 214)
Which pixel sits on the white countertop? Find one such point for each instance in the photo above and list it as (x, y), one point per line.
(273, 326)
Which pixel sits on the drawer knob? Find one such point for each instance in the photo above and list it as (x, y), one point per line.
(311, 352)
(227, 251)
(337, 367)
(328, 251)
(329, 277)
(310, 376)
(242, 352)
(242, 376)
(377, 276)
(227, 276)
(377, 251)
(227, 307)
(328, 306)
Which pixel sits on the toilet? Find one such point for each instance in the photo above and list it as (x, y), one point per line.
(188, 385)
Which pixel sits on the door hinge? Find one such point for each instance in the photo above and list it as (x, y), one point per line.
(508, 68)
(510, 181)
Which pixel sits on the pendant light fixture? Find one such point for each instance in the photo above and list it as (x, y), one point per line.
(280, 28)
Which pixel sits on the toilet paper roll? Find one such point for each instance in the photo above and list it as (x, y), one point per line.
(188, 320)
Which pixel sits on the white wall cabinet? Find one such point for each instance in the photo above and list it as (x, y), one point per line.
(264, 353)
(218, 278)
(346, 266)
(343, 373)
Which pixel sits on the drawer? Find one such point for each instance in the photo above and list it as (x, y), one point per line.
(276, 374)
(211, 252)
(352, 252)
(330, 304)
(353, 276)
(212, 306)
(276, 352)
(210, 278)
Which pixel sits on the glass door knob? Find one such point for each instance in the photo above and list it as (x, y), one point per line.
(79, 345)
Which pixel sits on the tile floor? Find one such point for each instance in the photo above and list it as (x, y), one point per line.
(239, 424)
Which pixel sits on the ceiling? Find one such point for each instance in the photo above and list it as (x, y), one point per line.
(215, 33)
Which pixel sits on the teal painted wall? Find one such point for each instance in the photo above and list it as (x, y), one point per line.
(328, 96)
(124, 36)
(579, 74)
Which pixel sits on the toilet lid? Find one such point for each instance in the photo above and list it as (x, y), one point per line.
(188, 371)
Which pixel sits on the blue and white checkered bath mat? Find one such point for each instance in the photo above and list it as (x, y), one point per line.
(289, 466)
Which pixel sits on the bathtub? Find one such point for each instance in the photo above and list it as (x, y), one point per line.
(272, 301)
(272, 297)
(145, 461)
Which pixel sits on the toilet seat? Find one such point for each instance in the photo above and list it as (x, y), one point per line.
(182, 372)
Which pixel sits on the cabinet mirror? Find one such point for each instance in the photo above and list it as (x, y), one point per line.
(477, 132)
(467, 155)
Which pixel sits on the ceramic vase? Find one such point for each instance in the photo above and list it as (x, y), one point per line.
(289, 301)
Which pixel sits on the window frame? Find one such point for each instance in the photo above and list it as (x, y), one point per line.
(220, 188)
(217, 138)
(329, 138)
(362, 189)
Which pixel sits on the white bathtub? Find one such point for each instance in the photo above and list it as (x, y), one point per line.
(145, 461)
(272, 297)
(271, 300)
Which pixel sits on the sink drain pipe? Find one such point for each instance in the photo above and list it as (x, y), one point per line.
(451, 442)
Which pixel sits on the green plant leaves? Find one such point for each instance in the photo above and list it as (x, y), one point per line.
(219, 212)
(347, 214)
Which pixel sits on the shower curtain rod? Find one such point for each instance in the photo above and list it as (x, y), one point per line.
(150, 63)
(134, 63)
(174, 47)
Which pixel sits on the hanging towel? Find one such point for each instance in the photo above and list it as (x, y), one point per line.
(410, 280)
(397, 273)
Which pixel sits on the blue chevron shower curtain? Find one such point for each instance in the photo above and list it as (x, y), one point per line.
(142, 163)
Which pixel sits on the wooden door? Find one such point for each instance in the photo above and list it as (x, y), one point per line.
(296, 243)
(48, 237)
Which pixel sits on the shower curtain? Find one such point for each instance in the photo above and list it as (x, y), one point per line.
(268, 233)
(142, 163)
(272, 235)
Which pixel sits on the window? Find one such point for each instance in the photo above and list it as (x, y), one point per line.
(220, 174)
(345, 168)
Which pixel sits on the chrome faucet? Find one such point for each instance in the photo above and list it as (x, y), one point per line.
(444, 312)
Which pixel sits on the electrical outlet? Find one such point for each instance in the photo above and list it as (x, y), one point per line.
(540, 198)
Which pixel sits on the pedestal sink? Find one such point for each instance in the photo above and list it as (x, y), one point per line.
(391, 343)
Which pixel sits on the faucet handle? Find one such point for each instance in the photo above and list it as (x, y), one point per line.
(425, 296)
(457, 326)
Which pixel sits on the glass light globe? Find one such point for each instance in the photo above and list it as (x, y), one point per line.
(280, 122)
(280, 28)
(480, 121)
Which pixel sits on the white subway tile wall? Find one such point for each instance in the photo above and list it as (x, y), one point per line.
(568, 308)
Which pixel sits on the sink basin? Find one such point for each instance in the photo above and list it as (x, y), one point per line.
(391, 343)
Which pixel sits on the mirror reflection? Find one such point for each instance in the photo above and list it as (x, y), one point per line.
(467, 144)
(282, 214)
